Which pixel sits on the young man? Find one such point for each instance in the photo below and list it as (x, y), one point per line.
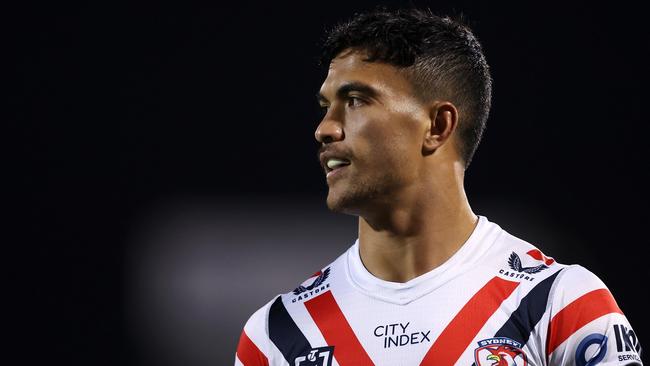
(428, 282)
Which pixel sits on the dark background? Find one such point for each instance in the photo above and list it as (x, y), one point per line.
(165, 153)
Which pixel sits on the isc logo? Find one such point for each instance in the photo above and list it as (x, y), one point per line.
(321, 356)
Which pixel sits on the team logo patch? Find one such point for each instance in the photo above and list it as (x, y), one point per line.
(321, 356)
(500, 351)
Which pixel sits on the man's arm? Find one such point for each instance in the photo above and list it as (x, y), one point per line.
(254, 348)
(248, 353)
(586, 325)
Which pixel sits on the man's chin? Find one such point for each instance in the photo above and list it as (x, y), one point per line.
(342, 204)
(334, 205)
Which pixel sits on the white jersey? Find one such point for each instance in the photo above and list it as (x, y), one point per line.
(497, 301)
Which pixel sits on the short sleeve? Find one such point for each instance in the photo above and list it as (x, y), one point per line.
(586, 326)
(254, 348)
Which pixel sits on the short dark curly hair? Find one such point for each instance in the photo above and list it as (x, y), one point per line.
(440, 56)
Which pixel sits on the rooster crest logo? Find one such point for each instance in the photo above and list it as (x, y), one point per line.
(317, 282)
(515, 263)
(500, 352)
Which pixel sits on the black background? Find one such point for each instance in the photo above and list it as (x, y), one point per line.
(116, 107)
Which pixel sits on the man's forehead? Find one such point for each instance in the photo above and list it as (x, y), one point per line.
(350, 67)
(349, 58)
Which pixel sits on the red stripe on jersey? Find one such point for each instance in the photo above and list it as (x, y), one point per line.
(455, 338)
(577, 314)
(249, 354)
(337, 331)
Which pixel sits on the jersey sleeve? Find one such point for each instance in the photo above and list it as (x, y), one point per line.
(254, 347)
(586, 325)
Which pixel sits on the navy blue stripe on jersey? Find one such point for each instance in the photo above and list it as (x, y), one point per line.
(528, 314)
(285, 334)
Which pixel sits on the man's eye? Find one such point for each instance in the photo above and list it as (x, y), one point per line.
(355, 102)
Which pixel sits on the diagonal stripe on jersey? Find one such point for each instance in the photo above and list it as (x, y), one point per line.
(336, 330)
(528, 314)
(451, 343)
(577, 314)
(249, 354)
(285, 334)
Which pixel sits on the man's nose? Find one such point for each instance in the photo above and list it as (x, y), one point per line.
(329, 131)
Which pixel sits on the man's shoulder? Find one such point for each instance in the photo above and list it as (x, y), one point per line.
(568, 284)
(526, 257)
(518, 260)
(332, 275)
(321, 280)
(583, 312)
(510, 243)
(576, 282)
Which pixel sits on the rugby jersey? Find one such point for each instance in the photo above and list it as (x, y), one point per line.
(497, 301)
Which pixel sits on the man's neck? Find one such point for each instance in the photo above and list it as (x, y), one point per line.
(410, 241)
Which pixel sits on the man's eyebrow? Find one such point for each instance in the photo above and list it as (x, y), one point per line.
(345, 89)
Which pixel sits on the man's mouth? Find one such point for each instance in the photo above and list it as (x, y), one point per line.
(334, 166)
(336, 163)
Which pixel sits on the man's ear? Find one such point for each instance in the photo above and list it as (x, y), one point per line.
(443, 120)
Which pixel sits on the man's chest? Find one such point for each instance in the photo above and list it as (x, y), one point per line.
(363, 331)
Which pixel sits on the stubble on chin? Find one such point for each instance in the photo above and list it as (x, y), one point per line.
(352, 199)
